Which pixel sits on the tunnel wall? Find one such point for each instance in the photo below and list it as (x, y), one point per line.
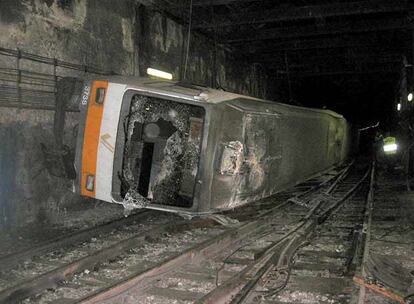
(100, 34)
(27, 191)
(163, 44)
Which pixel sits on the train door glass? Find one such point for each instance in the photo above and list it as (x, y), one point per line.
(334, 143)
(162, 150)
(263, 149)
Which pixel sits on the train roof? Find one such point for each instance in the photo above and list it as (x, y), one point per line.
(196, 93)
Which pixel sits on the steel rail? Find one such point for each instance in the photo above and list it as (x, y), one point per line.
(233, 238)
(52, 278)
(366, 233)
(299, 238)
(11, 260)
(239, 288)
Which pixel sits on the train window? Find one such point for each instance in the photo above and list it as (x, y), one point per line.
(162, 150)
(100, 96)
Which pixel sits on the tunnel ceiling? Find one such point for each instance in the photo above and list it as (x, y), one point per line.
(345, 55)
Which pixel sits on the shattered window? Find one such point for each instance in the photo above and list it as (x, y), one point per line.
(162, 152)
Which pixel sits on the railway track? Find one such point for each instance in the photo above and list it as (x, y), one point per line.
(386, 272)
(131, 256)
(229, 269)
(323, 268)
(13, 259)
(290, 271)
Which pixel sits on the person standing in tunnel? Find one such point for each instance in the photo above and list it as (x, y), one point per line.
(378, 143)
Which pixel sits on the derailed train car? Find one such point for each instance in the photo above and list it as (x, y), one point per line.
(193, 150)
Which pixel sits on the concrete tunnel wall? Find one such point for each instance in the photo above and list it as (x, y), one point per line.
(93, 33)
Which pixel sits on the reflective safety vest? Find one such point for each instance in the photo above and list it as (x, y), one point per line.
(390, 145)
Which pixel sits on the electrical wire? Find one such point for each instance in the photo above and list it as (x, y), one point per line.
(370, 127)
(188, 40)
(213, 19)
(288, 78)
(233, 253)
(288, 271)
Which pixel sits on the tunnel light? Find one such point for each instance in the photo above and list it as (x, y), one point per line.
(398, 107)
(390, 148)
(410, 97)
(160, 74)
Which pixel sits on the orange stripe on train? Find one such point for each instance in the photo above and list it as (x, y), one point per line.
(91, 138)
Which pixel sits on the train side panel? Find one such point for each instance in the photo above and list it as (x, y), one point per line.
(273, 140)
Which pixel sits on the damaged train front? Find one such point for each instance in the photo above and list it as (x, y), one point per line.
(139, 148)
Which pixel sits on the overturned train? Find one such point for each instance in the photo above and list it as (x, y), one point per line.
(193, 150)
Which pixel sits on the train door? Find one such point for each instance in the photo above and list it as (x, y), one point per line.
(263, 150)
(334, 142)
(150, 140)
(162, 151)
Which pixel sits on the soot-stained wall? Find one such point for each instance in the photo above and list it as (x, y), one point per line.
(120, 36)
(27, 190)
(91, 32)
(163, 44)
(88, 32)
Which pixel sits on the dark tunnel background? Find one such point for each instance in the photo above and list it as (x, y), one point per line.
(363, 101)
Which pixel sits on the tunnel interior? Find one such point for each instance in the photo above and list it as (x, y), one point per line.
(342, 234)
